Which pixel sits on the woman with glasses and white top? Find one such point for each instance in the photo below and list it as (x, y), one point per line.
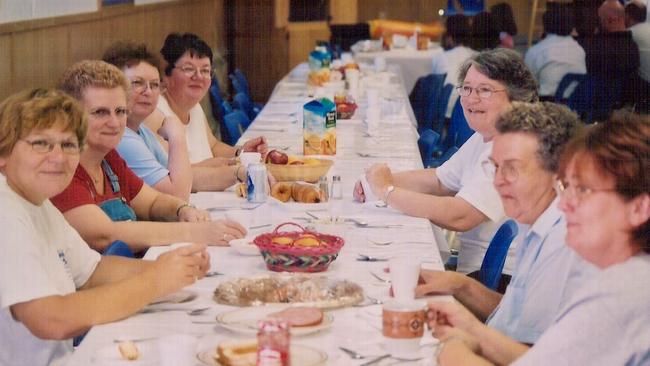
(106, 201)
(458, 195)
(168, 171)
(187, 79)
(604, 191)
(53, 287)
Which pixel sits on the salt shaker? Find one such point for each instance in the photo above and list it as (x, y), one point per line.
(323, 189)
(335, 198)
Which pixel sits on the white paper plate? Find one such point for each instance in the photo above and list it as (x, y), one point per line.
(245, 320)
(179, 300)
(300, 355)
(110, 355)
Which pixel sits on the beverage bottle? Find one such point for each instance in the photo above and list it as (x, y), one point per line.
(335, 199)
(273, 339)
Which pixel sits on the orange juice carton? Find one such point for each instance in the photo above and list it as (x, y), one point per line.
(319, 127)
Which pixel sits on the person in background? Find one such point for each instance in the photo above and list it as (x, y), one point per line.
(604, 191)
(505, 24)
(458, 195)
(53, 287)
(106, 201)
(636, 22)
(167, 173)
(455, 40)
(524, 159)
(484, 33)
(187, 77)
(558, 53)
(611, 55)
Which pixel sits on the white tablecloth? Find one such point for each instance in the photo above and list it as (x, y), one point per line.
(413, 63)
(358, 328)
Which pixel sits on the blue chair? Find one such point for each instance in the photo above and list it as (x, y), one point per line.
(226, 107)
(457, 133)
(593, 99)
(567, 80)
(426, 143)
(245, 104)
(235, 122)
(239, 82)
(435, 95)
(418, 98)
(216, 101)
(119, 248)
(495, 257)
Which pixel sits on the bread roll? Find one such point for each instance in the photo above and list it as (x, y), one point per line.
(128, 350)
(237, 353)
(305, 193)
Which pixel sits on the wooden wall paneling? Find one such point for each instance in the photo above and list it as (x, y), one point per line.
(343, 11)
(6, 72)
(84, 43)
(39, 57)
(424, 11)
(302, 39)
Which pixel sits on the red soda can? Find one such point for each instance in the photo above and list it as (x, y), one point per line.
(273, 340)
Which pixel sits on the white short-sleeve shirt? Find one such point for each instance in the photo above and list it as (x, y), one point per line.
(195, 131)
(40, 255)
(606, 323)
(463, 173)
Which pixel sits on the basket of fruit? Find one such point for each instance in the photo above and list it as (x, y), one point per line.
(298, 251)
(345, 106)
(291, 168)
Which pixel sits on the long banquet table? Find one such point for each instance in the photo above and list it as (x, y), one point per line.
(357, 328)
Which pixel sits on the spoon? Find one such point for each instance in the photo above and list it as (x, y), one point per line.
(367, 258)
(198, 311)
(380, 243)
(213, 273)
(354, 355)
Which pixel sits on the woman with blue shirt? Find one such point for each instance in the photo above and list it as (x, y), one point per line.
(167, 171)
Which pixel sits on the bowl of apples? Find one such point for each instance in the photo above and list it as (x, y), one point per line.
(345, 106)
(298, 251)
(287, 168)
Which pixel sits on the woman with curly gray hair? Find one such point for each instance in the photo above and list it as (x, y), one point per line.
(457, 195)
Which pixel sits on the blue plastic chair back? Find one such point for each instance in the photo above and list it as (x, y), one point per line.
(227, 108)
(244, 103)
(568, 80)
(441, 107)
(495, 257)
(239, 82)
(459, 131)
(119, 248)
(426, 143)
(434, 95)
(216, 101)
(235, 122)
(418, 99)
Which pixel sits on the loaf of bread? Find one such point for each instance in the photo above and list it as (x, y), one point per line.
(305, 193)
(237, 353)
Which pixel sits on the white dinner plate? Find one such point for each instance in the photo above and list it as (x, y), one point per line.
(300, 355)
(110, 355)
(245, 320)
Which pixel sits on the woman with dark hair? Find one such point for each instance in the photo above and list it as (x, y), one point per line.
(187, 78)
(604, 190)
(505, 23)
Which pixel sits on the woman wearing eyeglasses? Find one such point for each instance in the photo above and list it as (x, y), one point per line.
(458, 195)
(187, 78)
(105, 199)
(168, 171)
(53, 287)
(604, 190)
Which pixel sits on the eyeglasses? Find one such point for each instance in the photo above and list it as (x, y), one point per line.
(576, 191)
(140, 85)
(101, 113)
(508, 171)
(43, 146)
(482, 92)
(190, 71)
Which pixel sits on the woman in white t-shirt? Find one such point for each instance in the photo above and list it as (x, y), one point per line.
(53, 287)
(604, 190)
(458, 195)
(187, 78)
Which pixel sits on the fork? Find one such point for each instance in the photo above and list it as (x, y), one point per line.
(384, 280)
(234, 207)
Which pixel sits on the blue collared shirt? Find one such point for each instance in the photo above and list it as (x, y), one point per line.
(144, 154)
(547, 274)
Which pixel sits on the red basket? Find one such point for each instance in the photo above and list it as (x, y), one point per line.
(288, 258)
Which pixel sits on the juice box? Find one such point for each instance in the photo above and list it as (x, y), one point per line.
(319, 127)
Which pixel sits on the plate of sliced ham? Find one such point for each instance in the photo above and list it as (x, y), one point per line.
(303, 320)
